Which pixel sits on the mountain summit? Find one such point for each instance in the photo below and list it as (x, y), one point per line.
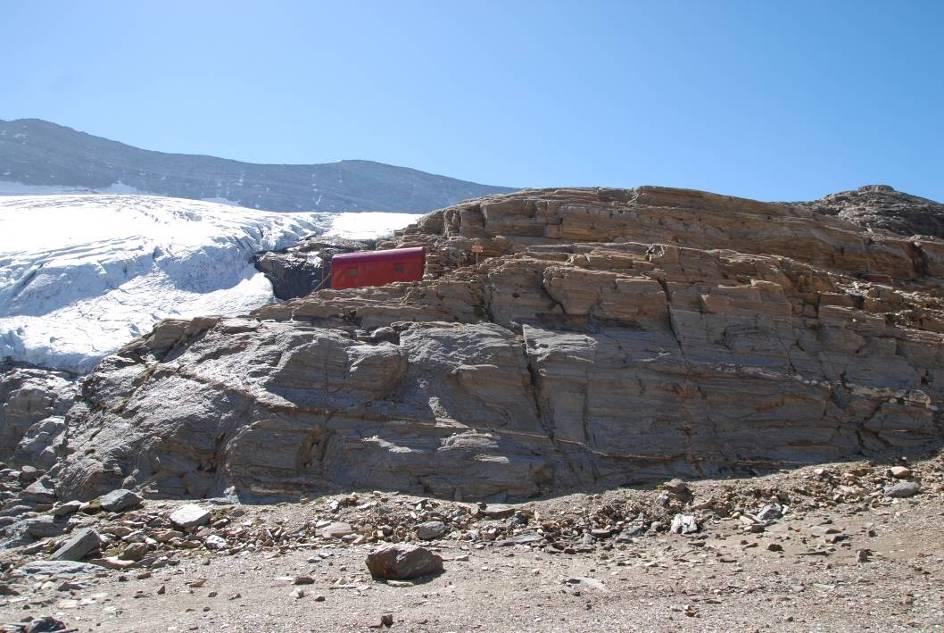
(39, 156)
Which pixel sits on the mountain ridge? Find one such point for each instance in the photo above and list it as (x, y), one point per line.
(39, 153)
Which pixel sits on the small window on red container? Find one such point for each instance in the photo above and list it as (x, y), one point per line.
(398, 268)
(351, 272)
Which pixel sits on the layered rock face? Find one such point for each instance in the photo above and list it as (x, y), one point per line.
(606, 337)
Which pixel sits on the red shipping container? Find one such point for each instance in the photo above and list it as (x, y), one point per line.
(376, 268)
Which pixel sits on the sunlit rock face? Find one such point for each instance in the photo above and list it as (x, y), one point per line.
(604, 337)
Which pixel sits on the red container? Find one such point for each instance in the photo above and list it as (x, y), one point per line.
(376, 268)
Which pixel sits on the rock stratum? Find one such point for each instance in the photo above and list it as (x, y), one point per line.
(606, 337)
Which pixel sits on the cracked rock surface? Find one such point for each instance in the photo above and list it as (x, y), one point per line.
(605, 337)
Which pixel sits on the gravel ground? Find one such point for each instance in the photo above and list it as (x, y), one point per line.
(831, 563)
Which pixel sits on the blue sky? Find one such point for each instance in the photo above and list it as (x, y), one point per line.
(773, 99)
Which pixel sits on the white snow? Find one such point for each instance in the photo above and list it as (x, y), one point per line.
(368, 225)
(83, 274)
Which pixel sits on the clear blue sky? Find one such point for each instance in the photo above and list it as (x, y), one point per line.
(774, 99)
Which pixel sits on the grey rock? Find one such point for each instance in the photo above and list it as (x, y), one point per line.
(190, 516)
(16, 510)
(881, 207)
(57, 568)
(902, 489)
(119, 500)
(403, 562)
(67, 508)
(497, 511)
(305, 267)
(770, 512)
(44, 526)
(80, 544)
(29, 474)
(338, 529)
(27, 397)
(430, 530)
(43, 443)
(39, 492)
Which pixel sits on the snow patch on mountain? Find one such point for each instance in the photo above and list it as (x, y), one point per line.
(83, 274)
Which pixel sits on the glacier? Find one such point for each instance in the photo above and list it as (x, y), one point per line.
(83, 274)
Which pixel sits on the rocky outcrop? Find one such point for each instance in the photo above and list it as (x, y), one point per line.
(881, 207)
(606, 337)
(33, 402)
(302, 269)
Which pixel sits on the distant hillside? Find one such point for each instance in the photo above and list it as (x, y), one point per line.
(37, 154)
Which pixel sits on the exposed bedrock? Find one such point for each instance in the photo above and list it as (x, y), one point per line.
(607, 337)
(301, 269)
(33, 402)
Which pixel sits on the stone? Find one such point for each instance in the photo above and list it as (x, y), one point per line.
(57, 568)
(774, 547)
(403, 562)
(65, 509)
(29, 474)
(215, 541)
(770, 512)
(78, 545)
(900, 472)
(677, 487)
(497, 511)
(119, 500)
(47, 624)
(303, 580)
(44, 526)
(338, 529)
(190, 516)
(902, 489)
(430, 530)
(134, 552)
(40, 491)
(683, 524)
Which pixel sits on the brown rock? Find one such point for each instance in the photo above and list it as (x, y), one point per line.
(403, 562)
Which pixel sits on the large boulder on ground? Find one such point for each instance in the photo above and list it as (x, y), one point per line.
(403, 562)
(78, 545)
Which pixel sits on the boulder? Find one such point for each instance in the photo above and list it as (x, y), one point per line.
(430, 530)
(44, 526)
(78, 545)
(190, 516)
(902, 489)
(338, 529)
(119, 500)
(403, 562)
